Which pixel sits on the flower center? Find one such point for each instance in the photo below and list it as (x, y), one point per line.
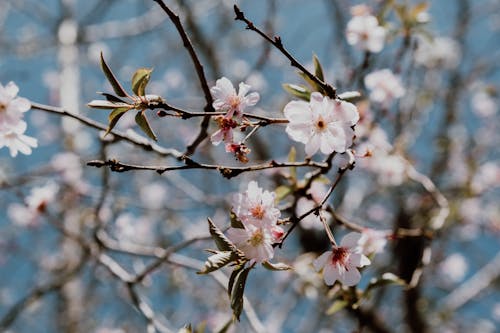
(340, 256)
(321, 124)
(257, 238)
(257, 212)
(234, 102)
(3, 107)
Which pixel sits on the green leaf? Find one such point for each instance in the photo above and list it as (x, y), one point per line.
(336, 307)
(114, 117)
(309, 81)
(292, 157)
(276, 267)
(140, 80)
(117, 87)
(222, 242)
(318, 69)
(232, 278)
(298, 91)
(350, 96)
(281, 192)
(111, 98)
(216, 261)
(143, 123)
(200, 328)
(235, 221)
(384, 280)
(237, 293)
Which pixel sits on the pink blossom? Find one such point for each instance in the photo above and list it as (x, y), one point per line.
(256, 206)
(364, 32)
(226, 98)
(225, 132)
(11, 107)
(13, 137)
(35, 205)
(384, 86)
(255, 241)
(342, 261)
(322, 124)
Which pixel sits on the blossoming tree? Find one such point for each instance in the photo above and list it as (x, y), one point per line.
(355, 172)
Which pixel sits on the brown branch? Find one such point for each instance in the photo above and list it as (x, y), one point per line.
(276, 42)
(226, 171)
(199, 71)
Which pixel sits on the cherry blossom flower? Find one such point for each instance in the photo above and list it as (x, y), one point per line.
(384, 86)
(13, 137)
(317, 191)
(11, 107)
(364, 32)
(255, 241)
(484, 104)
(226, 98)
(256, 206)
(225, 131)
(342, 261)
(322, 124)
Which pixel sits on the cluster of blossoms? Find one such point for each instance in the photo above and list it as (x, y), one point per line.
(12, 125)
(255, 209)
(322, 124)
(234, 104)
(364, 31)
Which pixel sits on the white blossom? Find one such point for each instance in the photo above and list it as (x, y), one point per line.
(438, 52)
(14, 138)
(11, 106)
(226, 98)
(322, 124)
(373, 241)
(256, 206)
(364, 32)
(256, 242)
(342, 261)
(384, 86)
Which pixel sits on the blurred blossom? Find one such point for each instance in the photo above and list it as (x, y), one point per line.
(68, 164)
(365, 33)
(322, 124)
(377, 212)
(486, 177)
(94, 52)
(496, 311)
(484, 104)
(14, 138)
(373, 241)
(174, 79)
(35, 205)
(109, 330)
(134, 229)
(454, 267)
(438, 52)
(317, 191)
(342, 261)
(384, 86)
(239, 68)
(257, 80)
(153, 195)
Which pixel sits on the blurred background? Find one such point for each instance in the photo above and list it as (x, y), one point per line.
(444, 128)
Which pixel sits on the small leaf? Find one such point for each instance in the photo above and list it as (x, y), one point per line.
(384, 280)
(318, 69)
(237, 293)
(235, 221)
(140, 80)
(200, 328)
(117, 87)
(114, 117)
(298, 91)
(106, 105)
(222, 242)
(336, 307)
(232, 278)
(350, 96)
(309, 81)
(282, 192)
(111, 98)
(216, 261)
(143, 123)
(276, 267)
